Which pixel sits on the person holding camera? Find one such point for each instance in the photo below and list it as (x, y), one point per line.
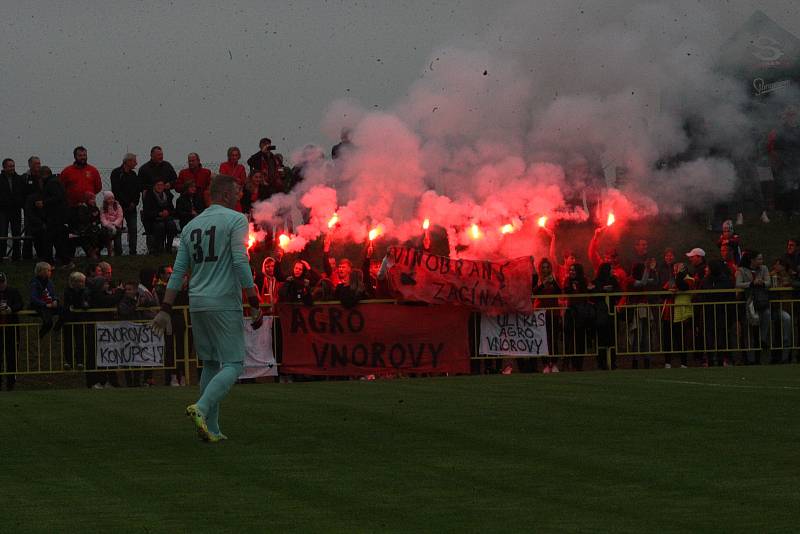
(266, 161)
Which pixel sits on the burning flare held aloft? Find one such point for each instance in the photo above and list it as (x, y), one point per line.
(333, 221)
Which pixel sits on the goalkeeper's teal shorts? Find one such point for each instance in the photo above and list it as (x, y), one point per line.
(218, 335)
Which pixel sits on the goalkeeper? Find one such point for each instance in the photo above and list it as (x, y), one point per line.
(212, 249)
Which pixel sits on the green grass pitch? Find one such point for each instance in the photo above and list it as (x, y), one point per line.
(660, 450)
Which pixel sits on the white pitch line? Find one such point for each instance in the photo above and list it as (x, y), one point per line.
(713, 384)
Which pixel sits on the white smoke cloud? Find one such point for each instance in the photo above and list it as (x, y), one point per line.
(539, 117)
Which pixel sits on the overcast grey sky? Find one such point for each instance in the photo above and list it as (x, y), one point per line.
(201, 76)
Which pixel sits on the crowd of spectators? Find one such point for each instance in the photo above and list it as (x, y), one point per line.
(50, 216)
(61, 215)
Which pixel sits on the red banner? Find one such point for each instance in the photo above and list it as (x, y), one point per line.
(491, 287)
(380, 339)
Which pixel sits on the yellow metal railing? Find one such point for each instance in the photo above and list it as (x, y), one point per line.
(705, 323)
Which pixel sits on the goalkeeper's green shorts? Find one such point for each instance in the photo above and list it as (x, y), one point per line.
(218, 335)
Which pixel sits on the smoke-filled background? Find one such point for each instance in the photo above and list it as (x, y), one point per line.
(536, 117)
(466, 113)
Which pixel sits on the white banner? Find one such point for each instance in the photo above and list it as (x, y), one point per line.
(514, 334)
(259, 357)
(127, 344)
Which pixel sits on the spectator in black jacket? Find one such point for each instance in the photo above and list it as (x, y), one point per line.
(158, 217)
(101, 296)
(85, 224)
(190, 204)
(351, 292)
(12, 201)
(10, 304)
(298, 287)
(792, 256)
(127, 188)
(33, 180)
(36, 221)
(266, 161)
(255, 190)
(55, 207)
(157, 169)
(75, 336)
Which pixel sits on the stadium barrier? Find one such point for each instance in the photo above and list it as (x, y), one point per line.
(714, 326)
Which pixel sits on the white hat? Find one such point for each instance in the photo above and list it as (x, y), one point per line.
(696, 252)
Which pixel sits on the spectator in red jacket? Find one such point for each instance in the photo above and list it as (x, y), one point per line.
(80, 178)
(196, 173)
(232, 167)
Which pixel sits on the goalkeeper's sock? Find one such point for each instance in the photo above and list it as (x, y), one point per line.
(215, 389)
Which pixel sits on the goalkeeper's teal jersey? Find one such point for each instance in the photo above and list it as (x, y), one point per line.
(213, 250)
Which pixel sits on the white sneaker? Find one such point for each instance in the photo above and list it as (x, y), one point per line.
(667, 366)
(97, 385)
(764, 218)
(739, 219)
(547, 370)
(108, 385)
(174, 381)
(683, 367)
(554, 369)
(182, 381)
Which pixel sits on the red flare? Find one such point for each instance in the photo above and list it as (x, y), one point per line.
(333, 220)
(611, 219)
(251, 240)
(542, 221)
(283, 241)
(476, 232)
(426, 224)
(506, 228)
(373, 234)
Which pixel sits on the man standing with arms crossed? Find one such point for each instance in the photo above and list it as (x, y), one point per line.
(212, 248)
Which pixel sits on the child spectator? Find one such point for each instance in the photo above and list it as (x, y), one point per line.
(679, 311)
(102, 296)
(130, 308)
(76, 297)
(174, 348)
(85, 225)
(44, 299)
(112, 219)
(732, 240)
